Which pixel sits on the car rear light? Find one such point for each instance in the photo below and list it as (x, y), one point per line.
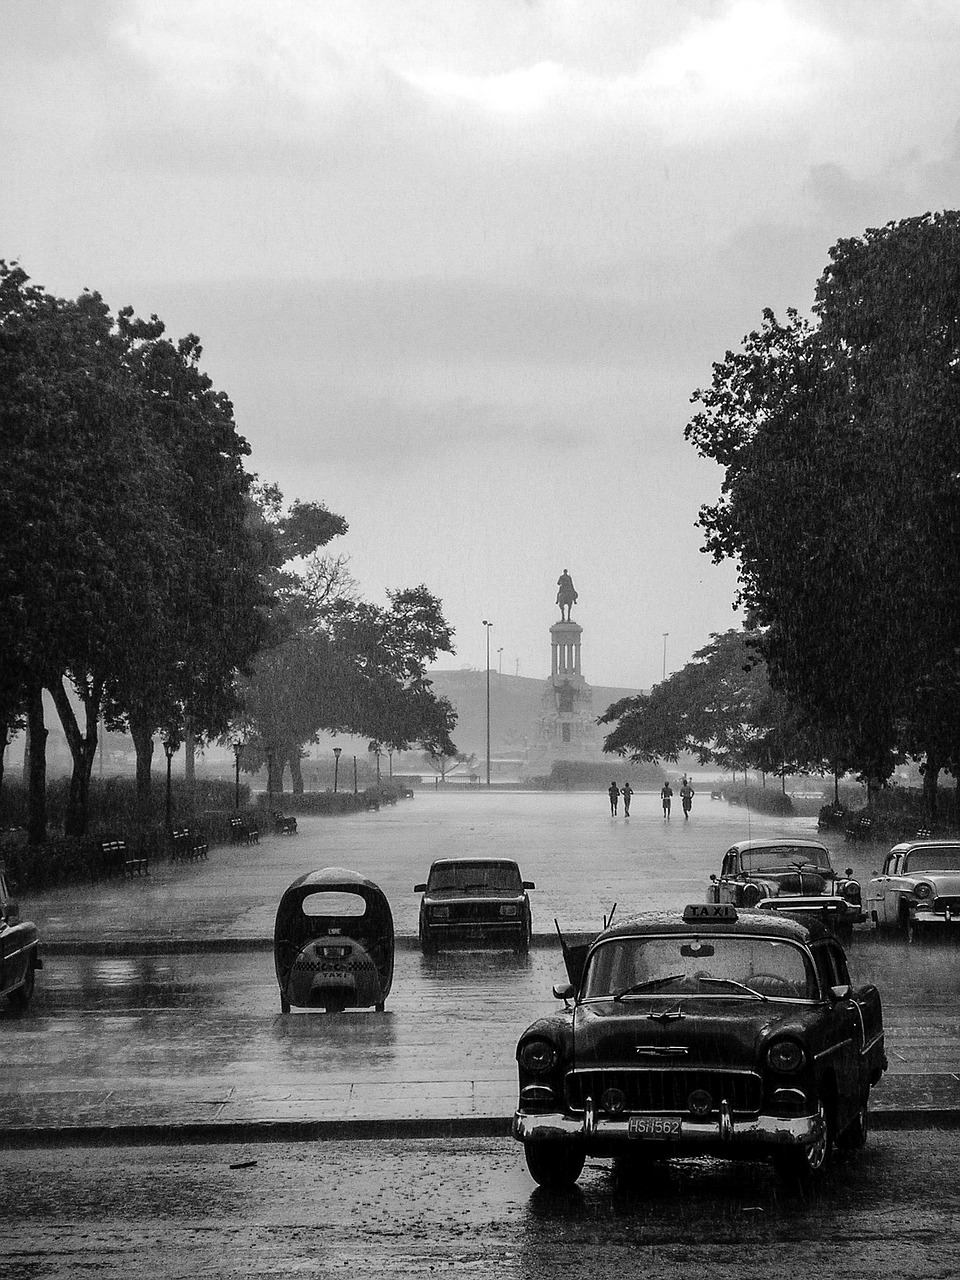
(785, 1056)
(509, 910)
(538, 1056)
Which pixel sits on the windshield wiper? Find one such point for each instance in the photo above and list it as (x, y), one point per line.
(732, 982)
(647, 985)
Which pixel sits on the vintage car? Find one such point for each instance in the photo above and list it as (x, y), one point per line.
(333, 942)
(19, 949)
(475, 899)
(789, 875)
(710, 1031)
(919, 886)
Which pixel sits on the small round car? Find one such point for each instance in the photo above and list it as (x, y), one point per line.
(333, 943)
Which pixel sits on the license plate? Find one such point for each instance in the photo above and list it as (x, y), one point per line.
(653, 1127)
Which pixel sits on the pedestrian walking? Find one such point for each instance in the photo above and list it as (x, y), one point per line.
(666, 795)
(627, 792)
(686, 798)
(613, 791)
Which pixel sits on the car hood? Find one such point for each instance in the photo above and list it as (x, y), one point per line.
(793, 882)
(946, 883)
(685, 1032)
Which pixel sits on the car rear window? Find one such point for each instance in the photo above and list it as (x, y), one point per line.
(475, 877)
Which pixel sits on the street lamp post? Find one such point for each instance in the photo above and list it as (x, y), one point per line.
(488, 625)
(336, 767)
(354, 775)
(500, 661)
(664, 674)
(169, 750)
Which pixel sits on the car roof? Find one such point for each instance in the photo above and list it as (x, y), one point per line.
(473, 862)
(909, 845)
(744, 846)
(771, 924)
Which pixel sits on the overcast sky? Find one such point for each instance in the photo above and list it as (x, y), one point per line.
(461, 263)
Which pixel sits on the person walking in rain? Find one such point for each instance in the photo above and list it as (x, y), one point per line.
(613, 791)
(686, 798)
(627, 792)
(666, 795)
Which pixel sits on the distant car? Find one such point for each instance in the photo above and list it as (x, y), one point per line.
(19, 949)
(479, 899)
(789, 875)
(918, 886)
(704, 1032)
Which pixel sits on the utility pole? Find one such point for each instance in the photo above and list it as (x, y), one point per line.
(488, 625)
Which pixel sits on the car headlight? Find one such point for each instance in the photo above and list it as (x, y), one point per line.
(752, 893)
(538, 1056)
(923, 891)
(509, 910)
(785, 1056)
(850, 890)
(440, 913)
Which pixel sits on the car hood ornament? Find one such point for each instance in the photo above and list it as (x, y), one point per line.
(667, 1015)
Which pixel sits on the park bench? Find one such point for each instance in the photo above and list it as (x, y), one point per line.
(858, 828)
(187, 845)
(282, 825)
(243, 832)
(119, 860)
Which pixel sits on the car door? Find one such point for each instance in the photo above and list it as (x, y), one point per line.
(847, 1030)
(727, 886)
(882, 901)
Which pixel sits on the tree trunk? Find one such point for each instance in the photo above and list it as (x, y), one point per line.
(36, 769)
(296, 774)
(275, 764)
(931, 775)
(189, 761)
(83, 750)
(143, 744)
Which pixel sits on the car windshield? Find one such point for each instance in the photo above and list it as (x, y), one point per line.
(475, 877)
(947, 859)
(702, 965)
(778, 856)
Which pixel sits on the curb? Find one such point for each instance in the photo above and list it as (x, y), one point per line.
(264, 1131)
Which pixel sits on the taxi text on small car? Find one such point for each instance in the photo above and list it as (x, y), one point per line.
(707, 1031)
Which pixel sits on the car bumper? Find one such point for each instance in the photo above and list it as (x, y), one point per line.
(922, 916)
(601, 1135)
(832, 911)
(473, 929)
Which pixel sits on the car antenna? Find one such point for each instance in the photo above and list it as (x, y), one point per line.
(608, 920)
(563, 941)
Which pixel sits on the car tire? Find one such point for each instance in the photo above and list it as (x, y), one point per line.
(523, 942)
(556, 1166)
(21, 996)
(854, 1137)
(802, 1167)
(428, 945)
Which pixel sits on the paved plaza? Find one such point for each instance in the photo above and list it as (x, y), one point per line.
(157, 1012)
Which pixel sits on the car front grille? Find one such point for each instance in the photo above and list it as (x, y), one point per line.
(662, 1091)
(476, 913)
(947, 904)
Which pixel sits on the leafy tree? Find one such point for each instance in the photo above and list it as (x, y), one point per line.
(841, 498)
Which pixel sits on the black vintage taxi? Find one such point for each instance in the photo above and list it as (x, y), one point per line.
(19, 949)
(708, 1031)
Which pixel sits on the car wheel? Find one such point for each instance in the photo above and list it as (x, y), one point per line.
(428, 945)
(854, 1137)
(554, 1165)
(22, 995)
(802, 1166)
(523, 942)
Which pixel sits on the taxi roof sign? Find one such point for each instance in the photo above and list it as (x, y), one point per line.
(712, 912)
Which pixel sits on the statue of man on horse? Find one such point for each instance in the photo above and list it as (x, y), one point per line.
(567, 595)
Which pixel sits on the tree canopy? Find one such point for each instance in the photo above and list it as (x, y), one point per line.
(841, 495)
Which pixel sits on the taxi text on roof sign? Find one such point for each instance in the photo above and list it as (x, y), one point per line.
(715, 911)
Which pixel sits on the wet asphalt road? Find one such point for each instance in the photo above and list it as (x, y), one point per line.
(467, 1209)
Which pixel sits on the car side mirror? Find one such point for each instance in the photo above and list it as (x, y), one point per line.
(563, 991)
(840, 992)
(528, 884)
(713, 879)
(419, 888)
(849, 873)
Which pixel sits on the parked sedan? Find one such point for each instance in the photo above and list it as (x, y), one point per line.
(918, 887)
(19, 958)
(789, 875)
(708, 1032)
(478, 899)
